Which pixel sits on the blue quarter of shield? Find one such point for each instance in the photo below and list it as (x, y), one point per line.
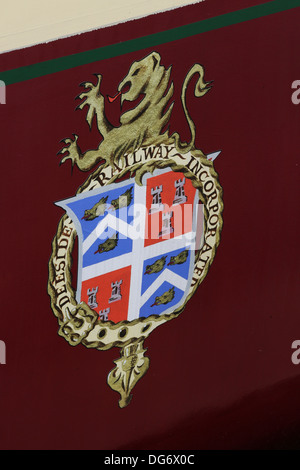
(155, 263)
(78, 207)
(160, 275)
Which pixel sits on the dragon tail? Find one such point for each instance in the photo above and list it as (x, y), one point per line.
(201, 88)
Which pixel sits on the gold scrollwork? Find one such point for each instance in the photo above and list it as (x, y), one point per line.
(130, 368)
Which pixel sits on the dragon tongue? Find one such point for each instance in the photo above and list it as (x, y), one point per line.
(111, 99)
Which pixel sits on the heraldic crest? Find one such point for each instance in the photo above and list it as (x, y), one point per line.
(147, 219)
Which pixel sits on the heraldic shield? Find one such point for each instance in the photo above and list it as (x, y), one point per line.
(147, 220)
(136, 245)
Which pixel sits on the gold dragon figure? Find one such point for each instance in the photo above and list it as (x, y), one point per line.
(141, 126)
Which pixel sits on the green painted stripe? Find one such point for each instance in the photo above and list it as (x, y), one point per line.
(64, 63)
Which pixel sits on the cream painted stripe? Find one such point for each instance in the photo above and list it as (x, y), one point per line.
(29, 22)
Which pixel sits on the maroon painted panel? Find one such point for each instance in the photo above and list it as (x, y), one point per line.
(221, 360)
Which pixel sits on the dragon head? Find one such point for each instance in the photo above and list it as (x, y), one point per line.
(140, 76)
(144, 78)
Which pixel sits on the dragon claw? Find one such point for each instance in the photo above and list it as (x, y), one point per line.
(67, 141)
(82, 104)
(86, 84)
(64, 159)
(72, 150)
